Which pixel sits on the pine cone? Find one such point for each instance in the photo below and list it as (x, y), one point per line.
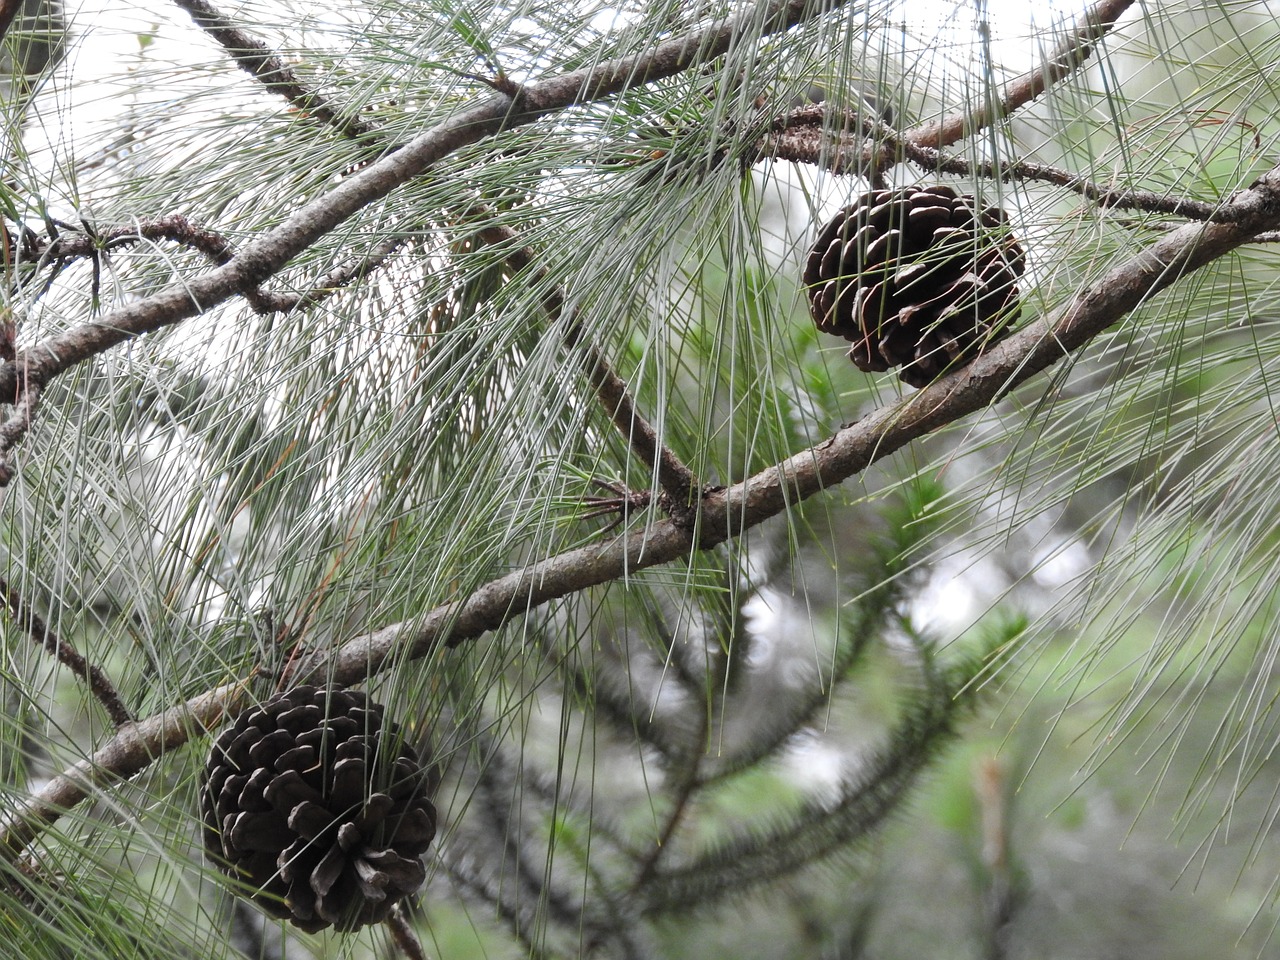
(918, 278)
(316, 801)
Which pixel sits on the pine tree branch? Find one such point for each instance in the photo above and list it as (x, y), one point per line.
(806, 134)
(687, 783)
(838, 153)
(92, 243)
(405, 937)
(1060, 63)
(256, 59)
(1106, 197)
(726, 514)
(800, 134)
(734, 866)
(1266, 236)
(131, 750)
(97, 681)
(874, 609)
(812, 134)
(268, 254)
(66, 247)
(670, 472)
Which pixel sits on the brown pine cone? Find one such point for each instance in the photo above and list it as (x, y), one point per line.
(315, 802)
(917, 278)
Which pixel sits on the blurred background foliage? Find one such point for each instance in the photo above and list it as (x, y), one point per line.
(1007, 694)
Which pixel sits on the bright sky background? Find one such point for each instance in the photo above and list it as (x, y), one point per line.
(107, 39)
(113, 38)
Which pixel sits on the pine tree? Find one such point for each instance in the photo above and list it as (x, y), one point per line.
(461, 354)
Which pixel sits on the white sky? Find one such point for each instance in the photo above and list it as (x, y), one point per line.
(108, 34)
(114, 38)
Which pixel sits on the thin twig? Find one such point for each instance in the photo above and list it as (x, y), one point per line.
(68, 246)
(402, 932)
(256, 59)
(670, 472)
(1060, 63)
(1109, 197)
(840, 153)
(97, 682)
(690, 781)
(340, 276)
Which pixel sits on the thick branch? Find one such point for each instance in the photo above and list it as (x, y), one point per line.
(1061, 62)
(731, 512)
(130, 751)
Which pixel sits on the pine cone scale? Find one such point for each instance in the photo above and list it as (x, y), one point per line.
(328, 870)
(924, 222)
(268, 832)
(380, 870)
(878, 250)
(269, 748)
(287, 789)
(415, 830)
